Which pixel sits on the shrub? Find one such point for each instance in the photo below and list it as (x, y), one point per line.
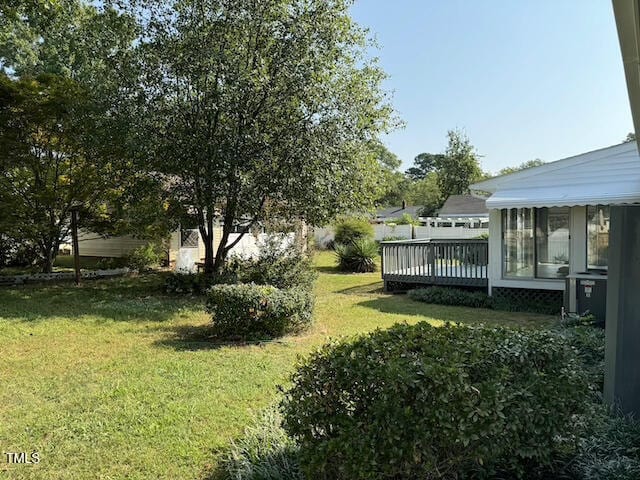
(475, 299)
(451, 296)
(258, 311)
(188, 283)
(146, 257)
(588, 342)
(434, 403)
(277, 263)
(349, 230)
(358, 256)
(264, 452)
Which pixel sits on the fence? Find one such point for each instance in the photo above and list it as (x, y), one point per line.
(325, 235)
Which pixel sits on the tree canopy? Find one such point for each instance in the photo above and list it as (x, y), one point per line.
(523, 166)
(250, 108)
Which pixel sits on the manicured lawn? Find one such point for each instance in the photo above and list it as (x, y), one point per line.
(113, 379)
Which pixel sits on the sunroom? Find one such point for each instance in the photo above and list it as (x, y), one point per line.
(550, 223)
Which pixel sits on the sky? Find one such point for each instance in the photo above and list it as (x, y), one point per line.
(524, 79)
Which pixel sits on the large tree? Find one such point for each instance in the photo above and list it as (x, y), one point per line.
(394, 184)
(252, 107)
(459, 166)
(424, 164)
(64, 144)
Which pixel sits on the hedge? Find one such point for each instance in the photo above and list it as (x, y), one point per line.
(435, 403)
(258, 311)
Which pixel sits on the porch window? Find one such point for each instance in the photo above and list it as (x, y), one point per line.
(552, 242)
(518, 242)
(597, 237)
(536, 242)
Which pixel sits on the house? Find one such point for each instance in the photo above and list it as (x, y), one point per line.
(462, 211)
(548, 229)
(387, 214)
(551, 222)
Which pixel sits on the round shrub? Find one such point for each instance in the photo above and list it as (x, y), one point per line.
(349, 230)
(434, 403)
(358, 256)
(258, 311)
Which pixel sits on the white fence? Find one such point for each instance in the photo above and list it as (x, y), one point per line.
(445, 233)
(325, 235)
(249, 245)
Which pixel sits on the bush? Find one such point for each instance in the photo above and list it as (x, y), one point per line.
(476, 299)
(349, 230)
(258, 311)
(358, 256)
(188, 283)
(434, 403)
(279, 264)
(588, 342)
(264, 452)
(451, 296)
(146, 257)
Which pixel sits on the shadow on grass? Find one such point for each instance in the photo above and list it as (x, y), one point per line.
(402, 305)
(136, 298)
(373, 288)
(201, 337)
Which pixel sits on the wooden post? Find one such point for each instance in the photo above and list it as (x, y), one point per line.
(76, 251)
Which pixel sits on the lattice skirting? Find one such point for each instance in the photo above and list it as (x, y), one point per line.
(529, 296)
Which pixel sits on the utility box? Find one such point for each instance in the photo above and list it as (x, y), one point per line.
(587, 292)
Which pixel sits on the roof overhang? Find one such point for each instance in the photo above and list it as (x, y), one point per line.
(571, 196)
(627, 14)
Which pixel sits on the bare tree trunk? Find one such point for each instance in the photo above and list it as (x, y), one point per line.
(221, 254)
(208, 245)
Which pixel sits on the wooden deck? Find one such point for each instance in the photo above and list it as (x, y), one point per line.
(462, 263)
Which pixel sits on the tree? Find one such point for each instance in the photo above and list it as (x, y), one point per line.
(459, 167)
(253, 107)
(523, 166)
(424, 164)
(393, 183)
(426, 193)
(45, 168)
(63, 142)
(631, 137)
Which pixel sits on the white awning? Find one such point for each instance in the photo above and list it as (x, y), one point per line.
(606, 193)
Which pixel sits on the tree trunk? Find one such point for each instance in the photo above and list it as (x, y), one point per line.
(207, 237)
(221, 254)
(49, 258)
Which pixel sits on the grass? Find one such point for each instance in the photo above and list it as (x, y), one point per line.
(113, 379)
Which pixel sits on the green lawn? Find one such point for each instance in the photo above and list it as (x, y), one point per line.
(113, 379)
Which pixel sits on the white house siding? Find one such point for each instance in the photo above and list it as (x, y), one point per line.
(93, 245)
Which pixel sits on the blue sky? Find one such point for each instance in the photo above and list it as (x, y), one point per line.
(524, 79)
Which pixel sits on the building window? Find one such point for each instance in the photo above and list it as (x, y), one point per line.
(518, 242)
(540, 252)
(552, 242)
(189, 238)
(597, 237)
